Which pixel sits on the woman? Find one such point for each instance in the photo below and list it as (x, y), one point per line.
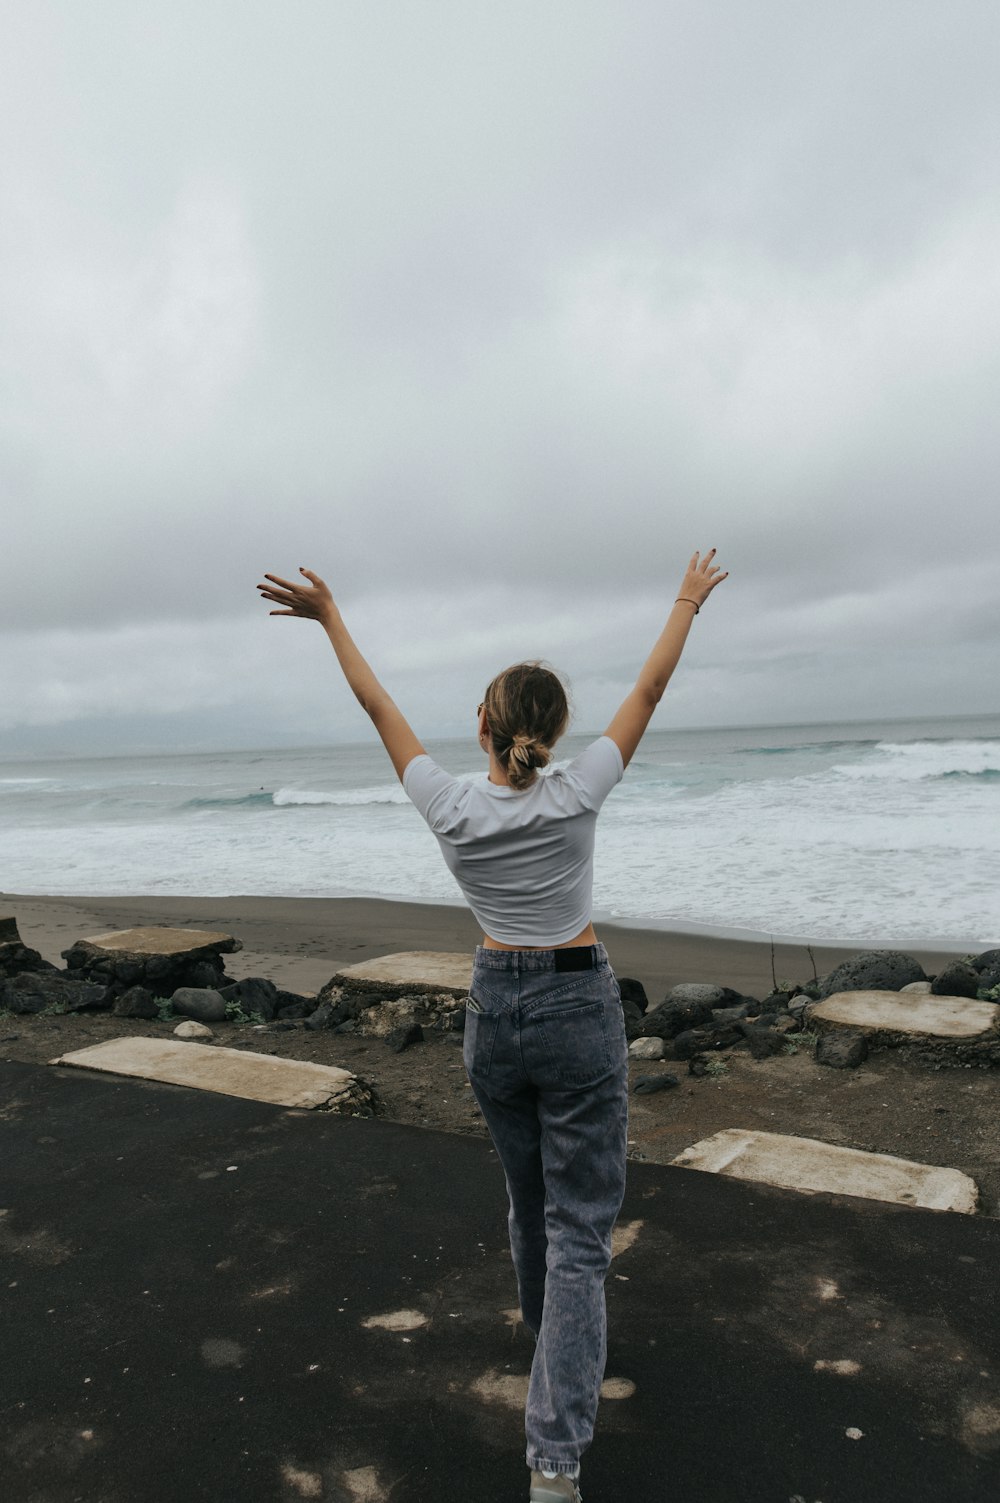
(545, 1042)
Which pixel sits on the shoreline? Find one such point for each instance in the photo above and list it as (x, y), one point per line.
(926, 945)
(300, 942)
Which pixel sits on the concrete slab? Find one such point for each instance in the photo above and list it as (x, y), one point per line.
(773, 1158)
(160, 940)
(891, 1012)
(411, 971)
(229, 1072)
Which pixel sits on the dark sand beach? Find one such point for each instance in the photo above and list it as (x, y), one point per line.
(890, 1105)
(301, 941)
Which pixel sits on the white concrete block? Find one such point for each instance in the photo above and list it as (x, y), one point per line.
(158, 940)
(806, 1164)
(417, 970)
(892, 1012)
(208, 1067)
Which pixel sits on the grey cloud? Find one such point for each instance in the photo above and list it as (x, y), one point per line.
(512, 308)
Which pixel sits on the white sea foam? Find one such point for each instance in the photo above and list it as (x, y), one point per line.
(915, 760)
(353, 798)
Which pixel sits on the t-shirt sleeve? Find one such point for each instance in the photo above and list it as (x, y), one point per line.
(432, 790)
(597, 770)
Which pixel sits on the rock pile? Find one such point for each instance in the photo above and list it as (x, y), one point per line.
(164, 973)
(141, 973)
(170, 974)
(694, 1022)
(15, 956)
(159, 959)
(398, 1018)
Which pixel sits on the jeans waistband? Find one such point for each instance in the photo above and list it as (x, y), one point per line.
(569, 958)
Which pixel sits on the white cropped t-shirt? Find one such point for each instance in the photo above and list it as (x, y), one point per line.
(525, 861)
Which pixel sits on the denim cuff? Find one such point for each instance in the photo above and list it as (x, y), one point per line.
(563, 1468)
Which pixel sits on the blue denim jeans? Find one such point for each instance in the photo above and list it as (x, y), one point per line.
(547, 1060)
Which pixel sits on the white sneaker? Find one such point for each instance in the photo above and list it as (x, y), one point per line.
(560, 1489)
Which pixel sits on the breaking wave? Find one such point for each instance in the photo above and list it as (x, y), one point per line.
(289, 798)
(384, 794)
(914, 761)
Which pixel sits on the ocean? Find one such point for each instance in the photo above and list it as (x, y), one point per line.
(877, 832)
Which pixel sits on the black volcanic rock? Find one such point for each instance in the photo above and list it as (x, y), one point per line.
(872, 971)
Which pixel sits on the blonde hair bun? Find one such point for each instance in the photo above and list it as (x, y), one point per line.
(527, 712)
(526, 755)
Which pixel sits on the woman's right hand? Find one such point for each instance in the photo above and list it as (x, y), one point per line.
(701, 578)
(311, 602)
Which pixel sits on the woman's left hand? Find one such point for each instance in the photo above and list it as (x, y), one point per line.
(312, 601)
(701, 578)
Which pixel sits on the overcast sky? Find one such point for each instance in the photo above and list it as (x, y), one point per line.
(491, 314)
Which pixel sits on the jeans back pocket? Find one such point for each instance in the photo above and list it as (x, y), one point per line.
(480, 1036)
(576, 1043)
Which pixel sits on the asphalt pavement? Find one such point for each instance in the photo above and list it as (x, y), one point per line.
(206, 1298)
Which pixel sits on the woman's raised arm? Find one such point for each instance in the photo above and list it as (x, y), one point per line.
(314, 602)
(629, 724)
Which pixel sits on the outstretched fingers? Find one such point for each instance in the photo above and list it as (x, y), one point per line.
(308, 598)
(712, 574)
(703, 574)
(280, 592)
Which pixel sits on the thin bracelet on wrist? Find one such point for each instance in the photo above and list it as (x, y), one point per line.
(686, 601)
